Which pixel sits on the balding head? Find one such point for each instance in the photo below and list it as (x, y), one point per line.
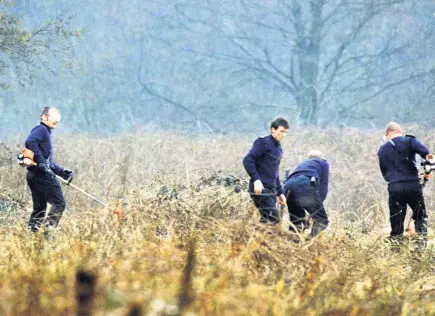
(52, 112)
(392, 130)
(50, 116)
(393, 127)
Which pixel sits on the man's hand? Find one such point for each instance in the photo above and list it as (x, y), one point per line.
(27, 162)
(67, 174)
(282, 200)
(258, 187)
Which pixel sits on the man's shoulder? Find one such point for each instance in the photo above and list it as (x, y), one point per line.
(383, 147)
(324, 161)
(39, 130)
(320, 161)
(411, 138)
(414, 141)
(39, 127)
(261, 139)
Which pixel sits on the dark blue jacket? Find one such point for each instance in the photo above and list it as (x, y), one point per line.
(39, 141)
(397, 159)
(262, 162)
(314, 167)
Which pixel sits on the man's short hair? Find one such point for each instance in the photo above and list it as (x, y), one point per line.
(315, 154)
(392, 127)
(279, 121)
(51, 111)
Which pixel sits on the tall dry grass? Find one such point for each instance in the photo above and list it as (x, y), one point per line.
(190, 244)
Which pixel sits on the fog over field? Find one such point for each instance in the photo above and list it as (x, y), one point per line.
(216, 66)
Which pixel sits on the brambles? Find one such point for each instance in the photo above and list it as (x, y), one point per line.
(219, 178)
(11, 209)
(175, 197)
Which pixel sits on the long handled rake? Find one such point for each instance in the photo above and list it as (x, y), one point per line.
(25, 158)
(120, 209)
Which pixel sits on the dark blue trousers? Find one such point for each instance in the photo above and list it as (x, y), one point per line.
(266, 204)
(45, 189)
(403, 194)
(302, 195)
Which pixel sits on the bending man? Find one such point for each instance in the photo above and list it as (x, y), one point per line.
(306, 189)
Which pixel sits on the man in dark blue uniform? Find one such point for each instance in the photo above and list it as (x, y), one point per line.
(41, 174)
(262, 165)
(306, 189)
(398, 167)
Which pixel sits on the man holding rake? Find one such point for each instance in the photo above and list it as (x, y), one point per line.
(262, 165)
(41, 173)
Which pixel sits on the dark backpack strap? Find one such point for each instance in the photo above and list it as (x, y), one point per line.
(408, 140)
(408, 152)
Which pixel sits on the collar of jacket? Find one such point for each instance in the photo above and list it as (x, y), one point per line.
(277, 143)
(48, 128)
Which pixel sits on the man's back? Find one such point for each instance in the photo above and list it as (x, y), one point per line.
(397, 158)
(306, 188)
(314, 167)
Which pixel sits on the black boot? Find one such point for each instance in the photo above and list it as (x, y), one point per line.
(396, 242)
(33, 226)
(420, 243)
(317, 228)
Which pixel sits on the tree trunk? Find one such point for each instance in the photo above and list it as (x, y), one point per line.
(307, 104)
(309, 50)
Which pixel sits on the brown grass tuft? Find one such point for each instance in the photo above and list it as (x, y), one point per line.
(181, 190)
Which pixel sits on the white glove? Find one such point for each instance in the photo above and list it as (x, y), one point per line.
(258, 187)
(27, 162)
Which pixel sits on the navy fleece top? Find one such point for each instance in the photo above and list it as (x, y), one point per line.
(39, 141)
(314, 167)
(262, 162)
(397, 158)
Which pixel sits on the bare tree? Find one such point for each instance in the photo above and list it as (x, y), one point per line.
(326, 54)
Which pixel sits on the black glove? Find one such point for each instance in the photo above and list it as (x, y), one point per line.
(67, 175)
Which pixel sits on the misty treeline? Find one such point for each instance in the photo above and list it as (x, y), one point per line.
(216, 65)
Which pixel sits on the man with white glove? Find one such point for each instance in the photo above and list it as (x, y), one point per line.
(41, 175)
(262, 165)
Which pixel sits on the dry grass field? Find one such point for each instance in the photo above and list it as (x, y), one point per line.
(189, 244)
